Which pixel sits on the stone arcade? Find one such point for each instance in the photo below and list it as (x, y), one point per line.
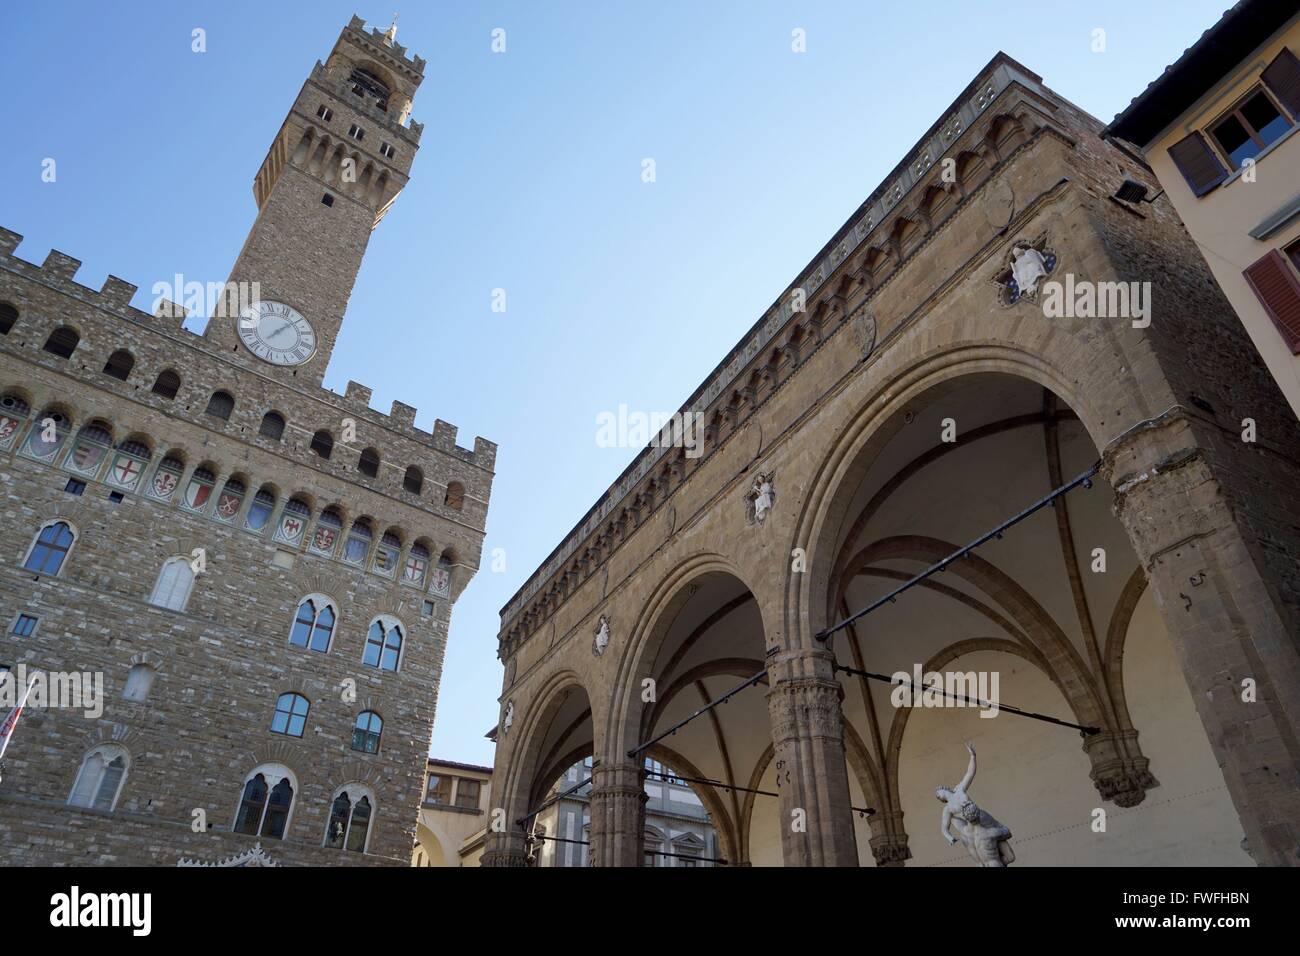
(912, 321)
(262, 570)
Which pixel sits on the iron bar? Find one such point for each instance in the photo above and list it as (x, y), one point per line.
(682, 856)
(550, 800)
(1087, 731)
(722, 785)
(749, 682)
(1084, 479)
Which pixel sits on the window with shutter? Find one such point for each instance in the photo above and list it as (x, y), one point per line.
(1282, 77)
(1198, 164)
(175, 581)
(1278, 288)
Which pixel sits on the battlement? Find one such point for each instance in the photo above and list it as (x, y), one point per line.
(113, 299)
(377, 42)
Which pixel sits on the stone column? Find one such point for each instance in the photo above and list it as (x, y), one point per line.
(618, 800)
(811, 775)
(505, 849)
(1222, 607)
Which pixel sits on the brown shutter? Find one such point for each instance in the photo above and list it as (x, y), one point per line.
(1198, 164)
(1282, 77)
(1278, 288)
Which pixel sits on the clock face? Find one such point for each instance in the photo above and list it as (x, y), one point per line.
(276, 333)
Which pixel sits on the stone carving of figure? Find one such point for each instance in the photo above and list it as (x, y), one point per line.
(764, 496)
(1028, 266)
(986, 840)
(509, 718)
(602, 637)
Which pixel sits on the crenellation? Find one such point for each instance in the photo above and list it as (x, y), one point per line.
(403, 414)
(9, 242)
(61, 265)
(116, 294)
(358, 393)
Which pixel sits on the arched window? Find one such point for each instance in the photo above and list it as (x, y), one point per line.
(266, 802)
(383, 644)
(366, 732)
(129, 463)
(414, 480)
(369, 463)
(417, 565)
(293, 521)
(322, 443)
(8, 316)
(359, 539)
(220, 405)
(386, 555)
(272, 426)
(313, 626)
(259, 512)
(13, 412)
(290, 716)
(50, 548)
(166, 479)
(174, 584)
(62, 342)
(455, 496)
(368, 86)
(47, 435)
(167, 384)
(199, 490)
(89, 450)
(100, 779)
(119, 365)
(325, 536)
(349, 823)
(230, 500)
(138, 683)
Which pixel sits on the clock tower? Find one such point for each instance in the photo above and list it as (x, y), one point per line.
(341, 156)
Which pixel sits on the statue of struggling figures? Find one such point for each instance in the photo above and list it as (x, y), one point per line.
(986, 840)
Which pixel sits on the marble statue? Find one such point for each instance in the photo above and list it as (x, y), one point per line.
(986, 840)
(602, 637)
(1028, 266)
(764, 496)
(509, 717)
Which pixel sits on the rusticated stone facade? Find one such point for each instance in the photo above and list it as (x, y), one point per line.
(903, 396)
(156, 448)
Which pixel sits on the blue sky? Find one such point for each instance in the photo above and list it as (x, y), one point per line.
(528, 179)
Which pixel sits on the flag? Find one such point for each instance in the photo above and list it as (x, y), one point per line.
(7, 728)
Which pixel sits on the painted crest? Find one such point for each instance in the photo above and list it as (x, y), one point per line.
(323, 539)
(196, 495)
(291, 529)
(86, 457)
(414, 570)
(125, 472)
(37, 447)
(164, 485)
(228, 506)
(8, 430)
(441, 582)
(355, 552)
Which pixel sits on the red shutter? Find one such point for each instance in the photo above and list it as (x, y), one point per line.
(1278, 288)
(1198, 164)
(1282, 76)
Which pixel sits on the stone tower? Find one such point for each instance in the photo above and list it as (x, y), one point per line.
(341, 156)
(259, 572)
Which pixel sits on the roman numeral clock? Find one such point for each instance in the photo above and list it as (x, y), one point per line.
(276, 333)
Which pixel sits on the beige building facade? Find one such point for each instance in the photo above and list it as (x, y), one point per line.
(452, 813)
(910, 390)
(1219, 129)
(259, 572)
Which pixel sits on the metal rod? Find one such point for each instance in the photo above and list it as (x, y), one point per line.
(636, 751)
(550, 800)
(1084, 479)
(722, 785)
(1087, 731)
(682, 856)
